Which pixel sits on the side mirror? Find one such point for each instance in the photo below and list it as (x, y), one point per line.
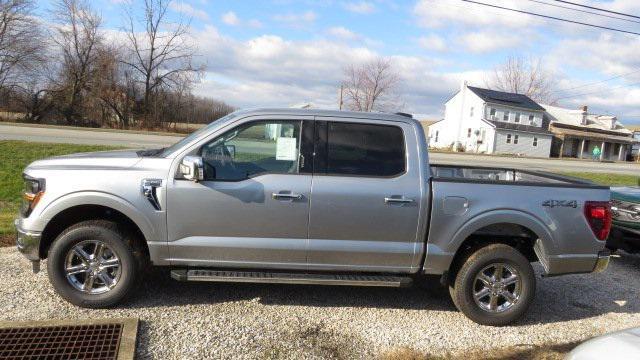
(192, 168)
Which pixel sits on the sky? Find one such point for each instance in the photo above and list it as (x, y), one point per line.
(285, 52)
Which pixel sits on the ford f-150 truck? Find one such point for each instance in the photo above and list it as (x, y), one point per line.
(308, 197)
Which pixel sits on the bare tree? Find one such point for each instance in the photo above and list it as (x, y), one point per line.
(371, 86)
(21, 42)
(524, 76)
(114, 87)
(33, 96)
(161, 55)
(78, 39)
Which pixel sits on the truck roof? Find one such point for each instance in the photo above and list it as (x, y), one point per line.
(323, 112)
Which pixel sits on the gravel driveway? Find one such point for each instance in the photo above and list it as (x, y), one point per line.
(243, 321)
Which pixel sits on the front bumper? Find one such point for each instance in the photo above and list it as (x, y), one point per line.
(28, 242)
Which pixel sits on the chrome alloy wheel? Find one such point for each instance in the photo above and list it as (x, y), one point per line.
(497, 287)
(92, 267)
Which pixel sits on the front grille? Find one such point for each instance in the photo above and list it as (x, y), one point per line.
(99, 341)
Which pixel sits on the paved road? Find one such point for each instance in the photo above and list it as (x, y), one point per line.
(135, 140)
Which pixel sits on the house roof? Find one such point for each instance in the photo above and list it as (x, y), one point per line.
(506, 98)
(518, 127)
(562, 117)
(592, 135)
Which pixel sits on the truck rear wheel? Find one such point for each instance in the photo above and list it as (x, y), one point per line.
(92, 265)
(494, 286)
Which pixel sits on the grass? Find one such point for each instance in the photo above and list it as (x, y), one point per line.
(14, 157)
(607, 179)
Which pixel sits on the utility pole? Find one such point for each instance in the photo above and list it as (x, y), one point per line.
(340, 101)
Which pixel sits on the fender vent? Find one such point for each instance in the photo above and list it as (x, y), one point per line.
(99, 341)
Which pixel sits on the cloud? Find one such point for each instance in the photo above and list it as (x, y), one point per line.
(230, 18)
(432, 14)
(433, 42)
(296, 20)
(189, 10)
(606, 53)
(488, 41)
(340, 32)
(611, 56)
(362, 7)
(269, 70)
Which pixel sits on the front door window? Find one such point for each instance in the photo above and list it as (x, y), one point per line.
(264, 147)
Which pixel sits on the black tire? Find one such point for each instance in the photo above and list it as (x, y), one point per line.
(463, 288)
(118, 242)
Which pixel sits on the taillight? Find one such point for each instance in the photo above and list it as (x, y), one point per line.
(598, 215)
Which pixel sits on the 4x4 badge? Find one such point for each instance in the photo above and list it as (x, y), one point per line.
(560, 203)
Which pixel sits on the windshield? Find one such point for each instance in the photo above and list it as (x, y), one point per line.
(194, 135)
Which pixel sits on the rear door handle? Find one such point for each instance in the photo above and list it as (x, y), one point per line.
(286, 196)
(402, 200)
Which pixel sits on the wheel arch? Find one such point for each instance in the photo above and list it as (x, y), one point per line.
(512, 227)
(78, 207)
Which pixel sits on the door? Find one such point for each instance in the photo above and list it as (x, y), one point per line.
(252, 209)
(366, 197)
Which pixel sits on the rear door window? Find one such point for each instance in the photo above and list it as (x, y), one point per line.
(365, 149)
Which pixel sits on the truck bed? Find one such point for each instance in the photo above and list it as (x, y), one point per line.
(466, 199)
(506, 175)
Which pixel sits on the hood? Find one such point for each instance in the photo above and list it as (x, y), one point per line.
(102, 160)
(628, 194)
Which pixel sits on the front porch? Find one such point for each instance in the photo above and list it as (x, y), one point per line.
(580, 144)
(581, 148)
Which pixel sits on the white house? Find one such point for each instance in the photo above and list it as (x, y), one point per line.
(577, 132)
(492, 122)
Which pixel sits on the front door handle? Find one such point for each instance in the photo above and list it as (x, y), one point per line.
(401, 200)
(286, 196)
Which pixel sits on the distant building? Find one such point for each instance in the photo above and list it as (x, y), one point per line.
(577, 132)
(636, 147)
(492, 122)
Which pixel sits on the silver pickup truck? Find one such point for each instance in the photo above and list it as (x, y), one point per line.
(308, 197)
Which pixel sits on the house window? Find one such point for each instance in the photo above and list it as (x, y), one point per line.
(517, 119)
(471, 112)
(469, 132)
(531, 119)
(508, 138)
(437, 135)
(505, 117)
(492, 113)
(535, 141)
(515, 139)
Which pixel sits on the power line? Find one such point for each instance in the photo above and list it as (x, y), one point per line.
(597, 82)
(585, 11)
(597, 92)
(596, 8)
(551, 17)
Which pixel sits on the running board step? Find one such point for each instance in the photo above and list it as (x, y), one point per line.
(291, 278)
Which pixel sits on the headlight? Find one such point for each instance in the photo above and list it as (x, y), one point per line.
(33, 191)
(625, 211)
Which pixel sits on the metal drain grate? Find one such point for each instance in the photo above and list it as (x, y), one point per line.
(95, 341)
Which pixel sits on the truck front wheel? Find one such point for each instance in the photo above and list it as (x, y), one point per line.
(494, 285)
(92, 265)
